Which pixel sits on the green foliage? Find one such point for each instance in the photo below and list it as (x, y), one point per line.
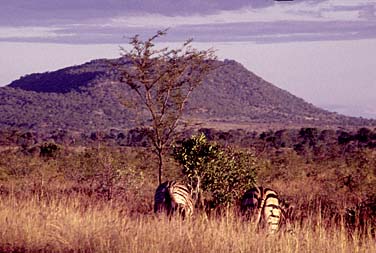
(195, 155)
(230, 176)
(224, 174)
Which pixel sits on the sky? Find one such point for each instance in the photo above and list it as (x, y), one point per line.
(319, 50)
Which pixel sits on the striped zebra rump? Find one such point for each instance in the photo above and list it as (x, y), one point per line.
(271, 212)
(172, 196)
(261, 206)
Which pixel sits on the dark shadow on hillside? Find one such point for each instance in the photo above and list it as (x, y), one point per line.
(58, 81)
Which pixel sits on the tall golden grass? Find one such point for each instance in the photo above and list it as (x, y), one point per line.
(101, 201)
(73, 225)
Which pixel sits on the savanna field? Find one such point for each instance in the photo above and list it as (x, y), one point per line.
(100, 199)
(158, 150)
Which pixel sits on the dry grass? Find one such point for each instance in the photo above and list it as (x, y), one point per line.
(67, 225)
(93, 201)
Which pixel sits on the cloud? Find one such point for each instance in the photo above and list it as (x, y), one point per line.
(300, 11)
(31, 32)
(106, 21)
(23, 12)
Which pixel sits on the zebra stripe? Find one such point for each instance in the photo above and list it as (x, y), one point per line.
(172, 196)
(272, 211)
(262, 206)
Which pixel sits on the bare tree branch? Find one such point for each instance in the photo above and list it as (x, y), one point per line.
(163, 80)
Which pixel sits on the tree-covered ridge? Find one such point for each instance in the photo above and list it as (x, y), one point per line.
(63, 80)
(88, 98)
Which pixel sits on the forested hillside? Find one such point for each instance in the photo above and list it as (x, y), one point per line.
(88, 98)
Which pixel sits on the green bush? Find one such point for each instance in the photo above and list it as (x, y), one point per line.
(224, 174)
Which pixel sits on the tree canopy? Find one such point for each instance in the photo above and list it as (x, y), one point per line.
(163, 79)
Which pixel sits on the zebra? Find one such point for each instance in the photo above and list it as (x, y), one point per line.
(172, 196)
(263, 207)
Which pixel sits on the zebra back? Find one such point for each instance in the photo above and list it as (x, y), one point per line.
(271, 211)
(261, 206)
(172, 196)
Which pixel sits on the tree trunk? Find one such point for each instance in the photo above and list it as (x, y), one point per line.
(199, 201)
(160, 166)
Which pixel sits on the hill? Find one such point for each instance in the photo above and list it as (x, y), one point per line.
(86, 98)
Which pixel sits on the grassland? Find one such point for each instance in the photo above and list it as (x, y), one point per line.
(58, 225)
(100, 200)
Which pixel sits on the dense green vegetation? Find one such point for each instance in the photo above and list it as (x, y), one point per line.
(223, 174)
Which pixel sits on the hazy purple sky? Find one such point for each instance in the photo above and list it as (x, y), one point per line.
(107, 21)
(320, 50)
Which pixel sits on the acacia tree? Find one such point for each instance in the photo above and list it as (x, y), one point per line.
(163, 79)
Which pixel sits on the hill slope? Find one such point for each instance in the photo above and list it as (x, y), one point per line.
(86, 98)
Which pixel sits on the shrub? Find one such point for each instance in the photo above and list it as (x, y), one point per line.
(49, 149)
(222, 173)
